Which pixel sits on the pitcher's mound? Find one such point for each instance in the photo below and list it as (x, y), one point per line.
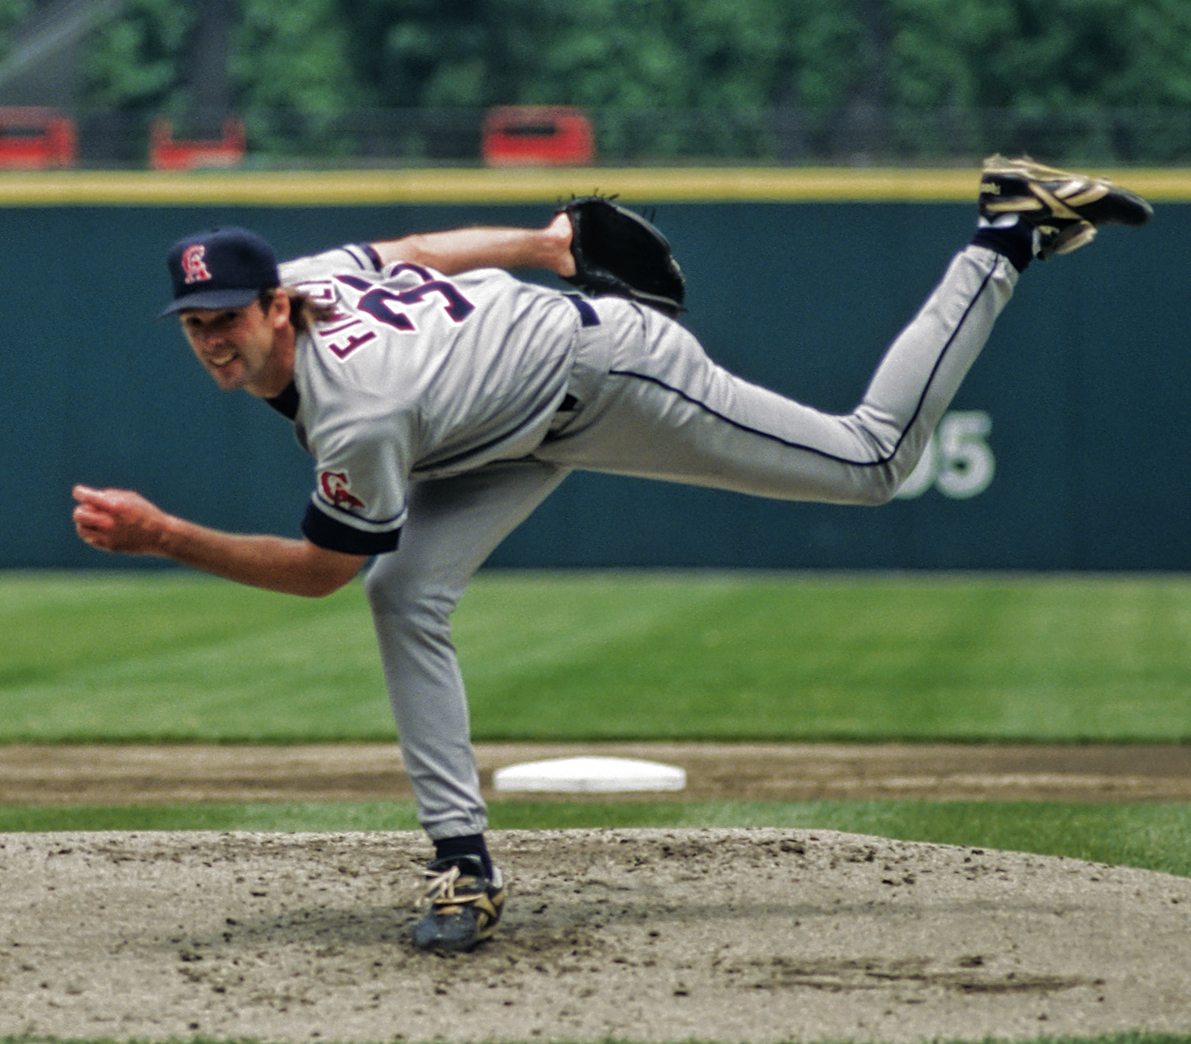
(650, 935)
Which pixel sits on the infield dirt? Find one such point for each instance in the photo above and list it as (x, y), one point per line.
(757, 935)
(167, 773)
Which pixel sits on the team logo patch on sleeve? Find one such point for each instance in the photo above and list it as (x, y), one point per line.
(337, 491)
(194, 264)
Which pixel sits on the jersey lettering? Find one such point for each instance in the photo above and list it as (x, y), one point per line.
(457, 306)
(389, 306)
(343, 347)
(320, 291)
(376, 304)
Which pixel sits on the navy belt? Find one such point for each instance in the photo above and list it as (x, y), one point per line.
(587, 314)
(587, 317)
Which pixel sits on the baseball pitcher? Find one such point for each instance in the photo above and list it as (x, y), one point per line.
(442, 400)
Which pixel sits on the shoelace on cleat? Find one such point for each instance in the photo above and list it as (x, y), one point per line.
(440, 891)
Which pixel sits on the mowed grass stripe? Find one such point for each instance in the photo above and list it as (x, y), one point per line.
(169, 655)
(153, 655)
(868, 658)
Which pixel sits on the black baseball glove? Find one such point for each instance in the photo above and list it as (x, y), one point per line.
(619, 252)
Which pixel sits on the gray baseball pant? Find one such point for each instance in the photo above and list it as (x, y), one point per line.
(652, 404)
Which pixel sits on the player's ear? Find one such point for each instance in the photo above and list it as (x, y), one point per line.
(279, 309)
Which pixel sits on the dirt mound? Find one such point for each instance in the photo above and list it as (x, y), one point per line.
(655, 935)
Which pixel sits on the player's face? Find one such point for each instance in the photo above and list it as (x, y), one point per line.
(237, 346)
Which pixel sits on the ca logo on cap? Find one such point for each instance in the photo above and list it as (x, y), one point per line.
(194, 264)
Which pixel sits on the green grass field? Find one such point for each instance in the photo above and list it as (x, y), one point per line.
(588, 656)
(169, 656)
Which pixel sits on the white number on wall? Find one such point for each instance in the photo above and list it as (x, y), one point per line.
(958, 461)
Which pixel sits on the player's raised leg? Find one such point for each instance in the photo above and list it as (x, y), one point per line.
(660, 408)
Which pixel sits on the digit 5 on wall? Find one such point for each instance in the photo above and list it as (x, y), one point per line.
(957, 461)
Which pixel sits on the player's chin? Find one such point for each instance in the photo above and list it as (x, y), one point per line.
(230, 376)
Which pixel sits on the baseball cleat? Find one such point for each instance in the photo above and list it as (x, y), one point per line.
(1063, 209)
(465, 905)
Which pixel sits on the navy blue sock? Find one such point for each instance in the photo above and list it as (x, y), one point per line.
(1015, 242)
(469, 845)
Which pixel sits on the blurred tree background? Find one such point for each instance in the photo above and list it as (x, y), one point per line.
(765, 80)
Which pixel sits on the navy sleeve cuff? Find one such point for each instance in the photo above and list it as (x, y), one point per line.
(372, 255)
(324, 531)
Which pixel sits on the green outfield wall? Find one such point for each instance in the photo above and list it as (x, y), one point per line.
(1063, 450)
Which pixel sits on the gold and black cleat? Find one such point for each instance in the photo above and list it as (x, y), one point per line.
(1064, 209)
(465, 905)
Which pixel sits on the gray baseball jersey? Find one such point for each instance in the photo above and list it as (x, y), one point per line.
(417, 377)
(448, 409)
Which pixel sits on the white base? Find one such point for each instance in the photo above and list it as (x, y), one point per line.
(587, 774)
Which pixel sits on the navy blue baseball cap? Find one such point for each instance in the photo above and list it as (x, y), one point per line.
(220, 268)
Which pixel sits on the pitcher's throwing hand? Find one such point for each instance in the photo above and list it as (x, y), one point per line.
(118, 520)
